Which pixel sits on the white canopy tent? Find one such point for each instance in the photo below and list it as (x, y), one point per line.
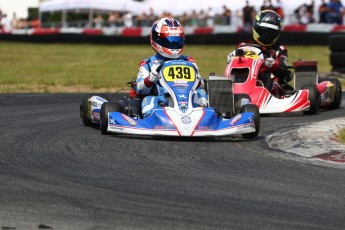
(90, 6)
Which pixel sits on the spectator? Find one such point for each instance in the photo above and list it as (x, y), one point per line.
(280, 9)
(128, 19)
(267, 5)
(202, 18)
(5, 23)
(323, 12)
(210, 17)
(248, 14)
(194, 19)
(114, 19)
(226, 15)
(304, 14)
(184, 20)
(336, 11)
(15, 21)
(98, 21)
(151, 18)
(142, 20)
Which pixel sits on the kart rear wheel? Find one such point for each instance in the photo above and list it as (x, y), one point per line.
(337, 92)
(84, 110)
(106, 108)
(314, 98)
(254, 109)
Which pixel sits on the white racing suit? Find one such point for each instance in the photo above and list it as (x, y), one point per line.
(154, 94)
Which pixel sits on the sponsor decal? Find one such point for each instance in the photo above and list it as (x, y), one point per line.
(245, 101)
(96, 114)
(112, 121)
(129, 120)
(183, 108)
(203, 128)
(235, 119)
(94, 104)
(182, 96)
(186, 120)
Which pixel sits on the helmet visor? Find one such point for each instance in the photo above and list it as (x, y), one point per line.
(170, 42)
(268, 35)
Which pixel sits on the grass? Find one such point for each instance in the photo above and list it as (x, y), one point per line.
(342, 135)
(105, 68)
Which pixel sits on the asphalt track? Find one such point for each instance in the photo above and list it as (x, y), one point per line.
(57, 174)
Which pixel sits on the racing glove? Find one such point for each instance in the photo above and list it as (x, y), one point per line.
(153, 77)
(269, 62)
(154, 74)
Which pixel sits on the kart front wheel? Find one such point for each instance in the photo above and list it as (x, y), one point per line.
(254, 109)
(106, 108)
(314, 98)
(84, 110)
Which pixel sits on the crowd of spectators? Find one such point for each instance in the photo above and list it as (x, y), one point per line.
(332, 12)
(329, 11)
(7, 23)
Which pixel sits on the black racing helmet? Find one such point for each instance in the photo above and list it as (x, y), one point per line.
(267, 27)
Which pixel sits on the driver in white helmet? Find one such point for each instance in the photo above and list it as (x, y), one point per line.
(167, 39)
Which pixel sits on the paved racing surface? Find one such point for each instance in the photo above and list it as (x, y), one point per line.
(57, 174)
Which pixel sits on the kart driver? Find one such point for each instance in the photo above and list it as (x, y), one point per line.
(266, 30)
(167, 39)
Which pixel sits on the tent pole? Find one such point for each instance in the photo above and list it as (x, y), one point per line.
(64, 18)
(90, 18)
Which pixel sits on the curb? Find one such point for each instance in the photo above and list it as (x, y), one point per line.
(317, 140)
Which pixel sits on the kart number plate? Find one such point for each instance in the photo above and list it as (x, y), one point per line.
(177, 72)
(251, 54)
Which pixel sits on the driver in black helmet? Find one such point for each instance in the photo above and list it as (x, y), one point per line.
(266, 30)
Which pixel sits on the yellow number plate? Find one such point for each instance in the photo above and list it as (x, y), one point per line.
(179, 72)
(251, 54)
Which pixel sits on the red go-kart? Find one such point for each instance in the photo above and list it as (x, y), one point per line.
(308, 94)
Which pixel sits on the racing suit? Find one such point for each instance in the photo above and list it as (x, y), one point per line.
(276, 62)
(153, 93)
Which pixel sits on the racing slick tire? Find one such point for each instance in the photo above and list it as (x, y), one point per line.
(337, 59)
(336, 42)
(238, 101)
(314, 98)
(254, 109)
(337, 92)
(106, 108)
(84, 109)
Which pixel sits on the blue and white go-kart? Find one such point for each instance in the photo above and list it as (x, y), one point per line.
(177, 117)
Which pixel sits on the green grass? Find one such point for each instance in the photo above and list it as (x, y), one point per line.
(342, 135)
(29, 67)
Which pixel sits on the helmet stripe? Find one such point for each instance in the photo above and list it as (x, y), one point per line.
(267, 25)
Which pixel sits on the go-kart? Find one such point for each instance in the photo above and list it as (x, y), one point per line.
(177, 116)
(308, 94)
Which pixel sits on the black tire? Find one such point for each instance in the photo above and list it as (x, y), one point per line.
(84, 110)
(314, 98)
(336, 42)
(106, 108)
(238, 104)
(254, 109)
(337, 59)
(337, 92)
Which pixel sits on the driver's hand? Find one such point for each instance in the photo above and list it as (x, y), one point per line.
(269, 62)
(154, 74)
